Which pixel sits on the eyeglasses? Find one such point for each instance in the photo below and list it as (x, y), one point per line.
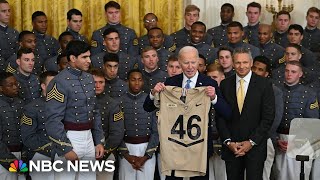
(150, 21)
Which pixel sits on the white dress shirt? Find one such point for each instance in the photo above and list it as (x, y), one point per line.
(245, 84)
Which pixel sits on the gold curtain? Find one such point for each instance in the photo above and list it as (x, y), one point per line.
(169, 12)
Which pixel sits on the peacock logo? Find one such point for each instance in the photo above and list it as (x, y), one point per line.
(18, 166)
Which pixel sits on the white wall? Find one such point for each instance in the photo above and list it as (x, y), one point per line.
(210, 10)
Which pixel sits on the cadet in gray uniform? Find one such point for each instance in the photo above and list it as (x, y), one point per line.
(235, 36)
(219, 33)
(141, 135)
(112, 43)
(156, 39)
(191, 15)
(293, 53)
(150, 72)
(73, 119)
(299, 102)
(282, 22)
(46, 45)
(29, 85)
(74, 21)
(111, 119)
(26, 40)
(251, 30)
(10, 137)
(8, 35)
(311, 34)
(33, 132)
(295, 35)
(52, 64)
(173, 67)
(225, 60)
(202, 64)
(150, 21)
(115, 87)
(273, 51)
(262, 67)
(197, 40)
(129, 41)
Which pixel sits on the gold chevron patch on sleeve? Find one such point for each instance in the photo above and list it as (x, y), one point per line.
(136, 66)
(282, 60)
(173, 48)
(55, 94)
(118, 116)
(59, 51)
(314, 105)
(246, 40)
(26, 120)
(135, 42)
(10, 69)
(94, 43)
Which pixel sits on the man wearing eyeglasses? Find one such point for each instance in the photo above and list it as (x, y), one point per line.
(150, 21)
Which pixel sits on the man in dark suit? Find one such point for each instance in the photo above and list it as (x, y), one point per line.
(188, 59)
(245, 134)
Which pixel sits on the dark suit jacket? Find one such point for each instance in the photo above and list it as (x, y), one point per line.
(222, 108)
(255, 120)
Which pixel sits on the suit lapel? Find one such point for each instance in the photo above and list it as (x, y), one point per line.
(178, 80)
(250, 93)
(233, 94)
(199, 81)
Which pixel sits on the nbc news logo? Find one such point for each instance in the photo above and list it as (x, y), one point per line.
(18, 166)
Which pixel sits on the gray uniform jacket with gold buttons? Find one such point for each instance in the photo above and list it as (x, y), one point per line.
(219, 34)
(51, 64)
(138, 122)
(251, 33)
(46, 46)
(8, 45)
(207, 51)
(308, 59)
(152, 78)
(116, 87)
(128, 40)
(311, 39)
(281, 38)
(230, 73)
(112, 121)
(33, 132)
(279, 108)
(29, 86)
(182, 36)
(167, 44)
(299, 102)
(278, 78)
(77, 36)
(10, 113)
(274, 52)
(253, 49)
(126, 63)
(71, 98)
(37, 68)
(163, 56)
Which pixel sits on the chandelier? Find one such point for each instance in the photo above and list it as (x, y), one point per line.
(283, 5)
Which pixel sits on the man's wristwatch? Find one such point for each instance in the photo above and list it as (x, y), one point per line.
(148, 155)
(252, 143)
(228, 142)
